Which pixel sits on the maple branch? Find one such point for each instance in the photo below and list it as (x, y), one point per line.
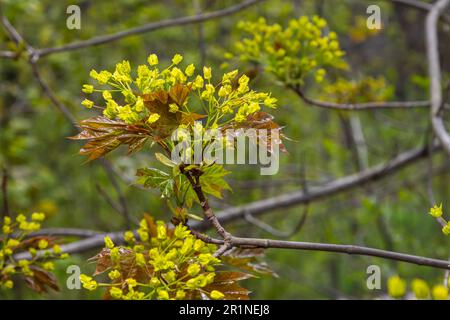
(148, 28)
(194, 180)
(434, 73)
(360, 106)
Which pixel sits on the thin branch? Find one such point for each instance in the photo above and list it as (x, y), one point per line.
(207, 210)
(44, 86)
(12, 32)
(148, 28)
(434, 73)
(423, 6)
(275, 232)
(98, 241)
(340, 248)
(109, 200)
(360, 106)
(201, 33)
(8, 54)
(121, 196)
(446, 276)
(66, 232)
(5, 212)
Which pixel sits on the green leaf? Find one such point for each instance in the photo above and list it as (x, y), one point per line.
(164, 160)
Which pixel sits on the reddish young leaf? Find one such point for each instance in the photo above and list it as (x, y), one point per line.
(104, 135)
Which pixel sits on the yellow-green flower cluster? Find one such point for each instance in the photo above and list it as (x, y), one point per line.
(359, 91)
(397, 288)
(161, 264)
(218, 100)
(14, 233)
(301, 49)
(436, 212)
(234, 99)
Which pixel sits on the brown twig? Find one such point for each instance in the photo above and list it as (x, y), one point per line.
(121, 196)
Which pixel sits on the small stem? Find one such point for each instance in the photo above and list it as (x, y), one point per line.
(209, 214)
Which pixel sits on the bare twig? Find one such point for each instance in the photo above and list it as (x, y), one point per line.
(317, 193)
(121, 196)
(360, 106)
(8, 54)
(421, 5)
(446, 276)
(98, 241)
(44, 86)
(201, 33)
(66, 232)
(275, 232)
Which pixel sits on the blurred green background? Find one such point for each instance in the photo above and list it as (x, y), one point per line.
(47, 175)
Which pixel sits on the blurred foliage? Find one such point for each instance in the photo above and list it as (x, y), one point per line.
(46, 175)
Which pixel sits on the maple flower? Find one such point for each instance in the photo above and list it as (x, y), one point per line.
(152, 59)
(396, 287)
(436, 211)
(216, 295)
